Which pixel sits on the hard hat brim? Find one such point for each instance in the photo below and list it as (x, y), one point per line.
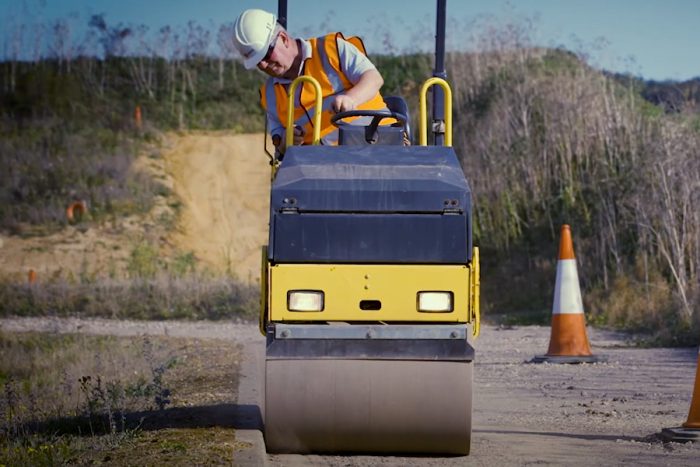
(252, 61)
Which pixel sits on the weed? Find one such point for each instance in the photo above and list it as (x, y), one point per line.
(154, 389)
(183, 264)
(144, 261)
(114, 408)
(38, 423)
(168, 220)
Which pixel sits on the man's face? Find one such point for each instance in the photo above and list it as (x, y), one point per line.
(279, 57)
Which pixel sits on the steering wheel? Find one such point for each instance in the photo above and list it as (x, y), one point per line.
(377, 117)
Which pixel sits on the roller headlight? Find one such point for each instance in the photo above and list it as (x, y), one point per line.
(305, 300)
(435, 302)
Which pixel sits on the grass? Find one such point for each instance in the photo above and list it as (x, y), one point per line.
(173, 446)
(119, 400)
(162, 297)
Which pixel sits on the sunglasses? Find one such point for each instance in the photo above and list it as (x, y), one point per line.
(271, 49)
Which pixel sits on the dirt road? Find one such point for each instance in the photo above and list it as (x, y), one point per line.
(524, 414)
(601, 414)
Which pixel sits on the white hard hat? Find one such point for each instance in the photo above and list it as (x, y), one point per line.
(252, 35)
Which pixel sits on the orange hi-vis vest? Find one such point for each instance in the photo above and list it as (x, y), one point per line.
(324, 65)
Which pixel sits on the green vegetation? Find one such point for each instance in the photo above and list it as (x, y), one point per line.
(76, 399)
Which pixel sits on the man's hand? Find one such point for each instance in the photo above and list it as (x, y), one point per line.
(299, 133)
(343, 103)
(279, 142)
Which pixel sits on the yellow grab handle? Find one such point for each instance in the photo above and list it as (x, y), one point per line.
(264, 292)
(475, 286)
(424, 110)
(317, 110)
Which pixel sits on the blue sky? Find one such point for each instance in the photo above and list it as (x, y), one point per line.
(655, 39)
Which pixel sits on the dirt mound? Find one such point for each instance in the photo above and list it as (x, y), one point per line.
(223, 181)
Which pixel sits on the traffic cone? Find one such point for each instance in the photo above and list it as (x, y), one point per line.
(690, 430)
(568, 342)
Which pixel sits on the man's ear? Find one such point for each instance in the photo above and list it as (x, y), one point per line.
(285, 38)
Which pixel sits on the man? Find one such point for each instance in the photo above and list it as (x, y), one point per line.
(348, 79)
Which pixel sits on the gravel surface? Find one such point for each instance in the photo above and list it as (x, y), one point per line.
(543, 414)
(524, 414)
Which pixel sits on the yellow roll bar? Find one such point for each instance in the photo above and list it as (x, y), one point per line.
(424, 110)
(317, 110)
(475, 287)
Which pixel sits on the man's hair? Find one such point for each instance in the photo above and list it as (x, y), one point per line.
(278, 29)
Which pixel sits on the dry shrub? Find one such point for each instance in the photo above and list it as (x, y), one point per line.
(161, 297)
(546, 140)
(48, 165)
(631, 304)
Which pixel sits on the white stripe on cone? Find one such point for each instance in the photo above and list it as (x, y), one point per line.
(567, 294)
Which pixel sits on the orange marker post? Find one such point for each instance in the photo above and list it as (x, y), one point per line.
(137, 117)
(76, 210)
(568, 342)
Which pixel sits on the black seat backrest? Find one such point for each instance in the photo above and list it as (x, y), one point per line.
(350, 135)
(398, 104)
(356, 135)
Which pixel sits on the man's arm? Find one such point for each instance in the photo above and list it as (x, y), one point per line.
(369, 84)
(276, 130)
(361, 72)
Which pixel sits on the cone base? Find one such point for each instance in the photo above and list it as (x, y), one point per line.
(568, 335)
(680, 435)
(568, 359)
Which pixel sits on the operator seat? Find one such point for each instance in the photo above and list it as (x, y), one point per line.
(392, 135)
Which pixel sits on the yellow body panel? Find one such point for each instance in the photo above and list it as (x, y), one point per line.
(346, 285)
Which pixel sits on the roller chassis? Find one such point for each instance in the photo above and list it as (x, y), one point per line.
(364, 232)
(386, 380)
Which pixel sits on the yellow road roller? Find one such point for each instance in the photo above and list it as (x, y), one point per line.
(370, 289)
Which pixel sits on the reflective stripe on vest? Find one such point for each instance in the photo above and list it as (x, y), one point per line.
(324, 65)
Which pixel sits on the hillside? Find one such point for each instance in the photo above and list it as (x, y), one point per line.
(221, 181)
(544, 139)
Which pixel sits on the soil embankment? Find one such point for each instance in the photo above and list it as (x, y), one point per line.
(223, 182)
